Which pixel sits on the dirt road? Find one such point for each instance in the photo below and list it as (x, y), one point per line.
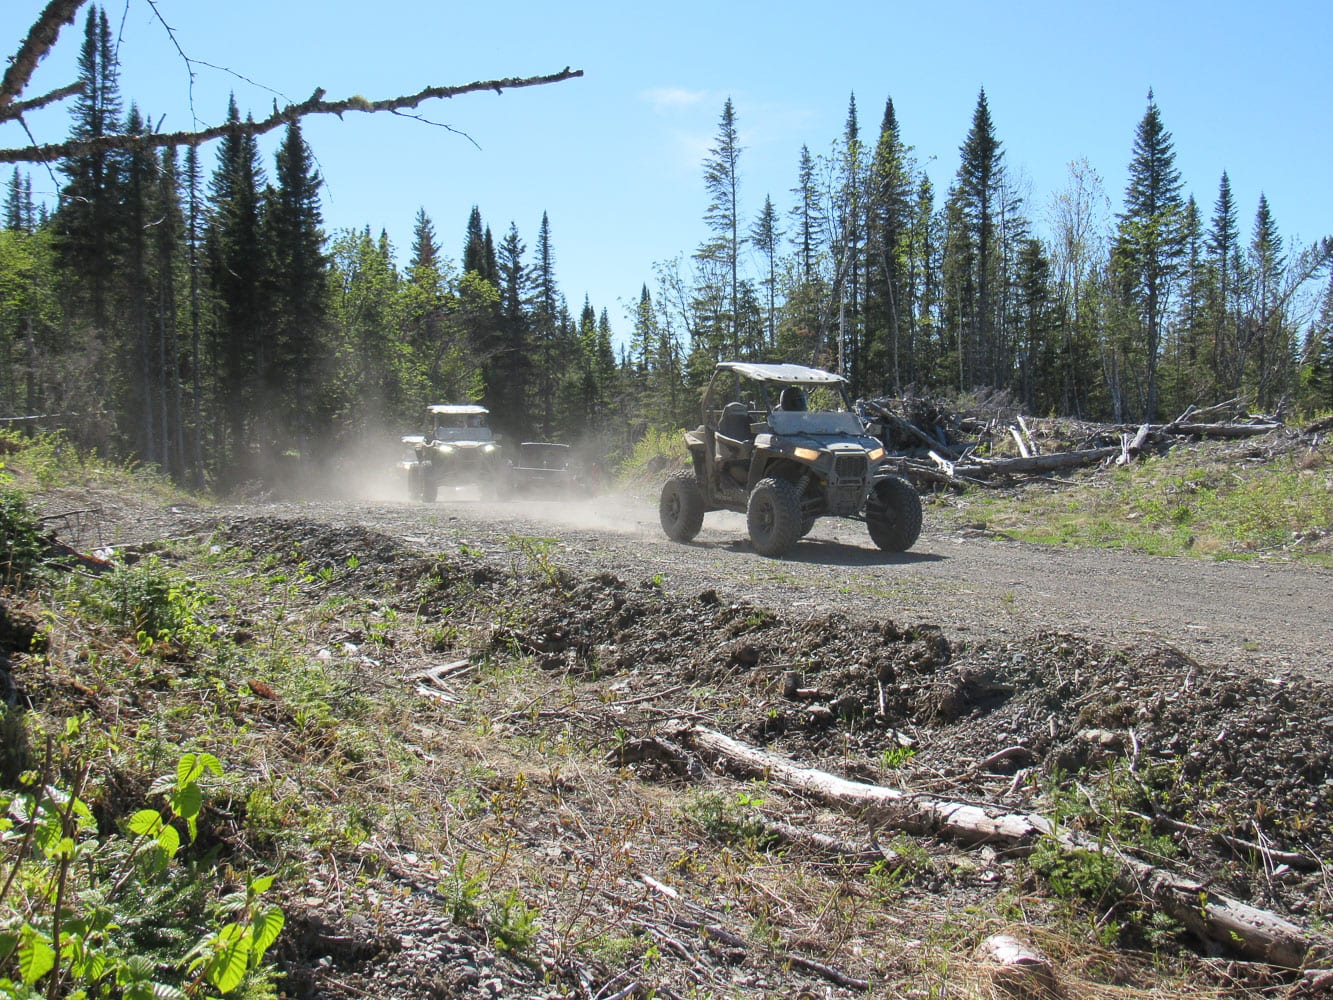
(1270, 616)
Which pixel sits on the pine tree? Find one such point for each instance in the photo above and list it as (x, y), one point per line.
(1150, 241)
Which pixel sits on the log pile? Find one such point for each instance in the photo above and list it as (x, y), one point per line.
(933, 447)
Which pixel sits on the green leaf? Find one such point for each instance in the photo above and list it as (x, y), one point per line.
(188, 770)
(261, 885)
(146, 823)
(267, 926)
(169, 840)
(36, 956)
(231, 958)
(187, 801)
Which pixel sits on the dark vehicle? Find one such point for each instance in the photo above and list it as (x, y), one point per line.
(458, 449)
(780, 444)
(544, 468)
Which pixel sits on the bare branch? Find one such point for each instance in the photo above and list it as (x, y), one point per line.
(314, 105)
(41, 36)
(19, 108)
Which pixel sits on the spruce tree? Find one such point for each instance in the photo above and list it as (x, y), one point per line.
(236, 262)
(979, 185)
(888, 295)
(765, 236)
(1271, 351)
(297, 292)
(88, 227)
(1150, 240)
(1224, 285)
(722, 250)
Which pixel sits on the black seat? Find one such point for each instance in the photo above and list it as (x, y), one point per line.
(735, 422)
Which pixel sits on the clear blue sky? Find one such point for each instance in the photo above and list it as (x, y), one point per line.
(615, 158)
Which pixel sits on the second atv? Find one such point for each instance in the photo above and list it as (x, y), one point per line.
(781, 445)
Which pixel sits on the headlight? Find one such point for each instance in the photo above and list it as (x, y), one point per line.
(444, 449)
(806, 454)
(875, 455)
(488, 448)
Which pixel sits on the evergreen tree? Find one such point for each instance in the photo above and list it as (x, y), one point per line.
(1224, 287)
(849, 250)
(889, 300)
(1319, 355)
(546, 331)
(236, 258)
(425, 247)
(297, 290)
(20, 215)
(722, 181)
(476, 260)
(1150, 240)
(88, 228)
(765, 237)
(509, 370)
(980, 181)
(1270, 345)
(140, 383)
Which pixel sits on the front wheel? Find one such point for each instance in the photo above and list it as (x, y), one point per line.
(893, 514)
(774, 516)
(681, 507)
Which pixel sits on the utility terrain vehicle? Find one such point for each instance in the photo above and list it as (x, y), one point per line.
(780, 444)
(458, 449)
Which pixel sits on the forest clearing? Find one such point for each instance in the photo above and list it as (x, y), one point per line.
(501, 749)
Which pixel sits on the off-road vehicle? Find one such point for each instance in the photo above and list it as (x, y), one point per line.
(545, 469)
(781, 444)
(458, 449)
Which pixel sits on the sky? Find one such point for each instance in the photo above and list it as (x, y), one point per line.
(615, 158)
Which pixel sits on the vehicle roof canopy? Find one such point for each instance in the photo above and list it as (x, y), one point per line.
(465, 409)
(787, 374)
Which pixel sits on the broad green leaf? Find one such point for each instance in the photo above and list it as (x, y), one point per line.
(261, 884)
(169, 840)
(267, 926)
(187, 770)
(187, 801)
(231, 959)
(146, 823)
(36, 956)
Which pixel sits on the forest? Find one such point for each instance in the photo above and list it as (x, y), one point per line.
(183, 306)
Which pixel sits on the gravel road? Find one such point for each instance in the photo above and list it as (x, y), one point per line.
(1271, 616)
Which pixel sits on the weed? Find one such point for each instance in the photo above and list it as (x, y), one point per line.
(21, 549)
(150, 603)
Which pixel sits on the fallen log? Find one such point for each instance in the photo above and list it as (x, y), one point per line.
(1213, 916)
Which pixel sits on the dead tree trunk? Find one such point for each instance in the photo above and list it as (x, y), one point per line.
(1256, 934)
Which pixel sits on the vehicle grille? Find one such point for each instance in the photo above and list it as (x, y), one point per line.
(850, 466)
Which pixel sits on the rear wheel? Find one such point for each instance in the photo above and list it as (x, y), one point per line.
(681, 507)
(774, 516)
(893, 514)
